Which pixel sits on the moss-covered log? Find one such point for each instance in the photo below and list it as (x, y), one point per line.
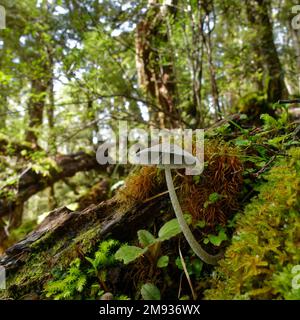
(65, 235)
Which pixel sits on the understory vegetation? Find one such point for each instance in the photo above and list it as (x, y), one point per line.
(245, 204)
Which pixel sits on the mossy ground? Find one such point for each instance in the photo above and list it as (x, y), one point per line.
(266, 244)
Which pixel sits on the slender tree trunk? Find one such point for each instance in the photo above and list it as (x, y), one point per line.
(195, 52)
(155, 66)
(209, 11)
(258, 16)
(35, 109)
(296, 41)
(50, 116)
(52, 203)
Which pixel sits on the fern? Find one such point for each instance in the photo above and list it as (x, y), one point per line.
(73, 283)
(81, 281)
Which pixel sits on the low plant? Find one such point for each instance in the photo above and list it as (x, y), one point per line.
(82, 280)
(149, 245)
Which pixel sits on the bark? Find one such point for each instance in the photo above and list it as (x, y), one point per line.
(50, 116)
(296, 38)
(156, 66)
(65, 235)
(258, 16)
(36, 108)
(3, 108)
(41, 79)
(209, 11)
(195, 52)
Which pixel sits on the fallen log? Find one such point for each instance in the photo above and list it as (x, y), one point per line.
(65, 235)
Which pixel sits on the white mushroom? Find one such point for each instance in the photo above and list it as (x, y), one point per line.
(170, 156)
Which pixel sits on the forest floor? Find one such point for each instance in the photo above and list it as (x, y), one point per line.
(246, 204)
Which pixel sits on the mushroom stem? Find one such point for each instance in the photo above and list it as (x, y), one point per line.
(196, 247)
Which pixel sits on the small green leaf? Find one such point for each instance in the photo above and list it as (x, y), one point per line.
(178, 263)
(150, 292)
(200, 224)
(145, 238)
(163, 262)
(92, 262)
(188, 218)
(243, 116)
(129, 253)
(186, 297)
(81, 283)
(169, 230)
(197, 179)
(197, 266)
(205, 241)
(217, 240)
(214, 197)
(242, 143)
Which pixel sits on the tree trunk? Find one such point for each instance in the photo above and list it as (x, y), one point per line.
(35, 109)
(209, 11)
(155, 66)
(258, 16)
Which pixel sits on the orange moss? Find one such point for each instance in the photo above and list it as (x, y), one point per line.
(140, 185)
(222, 175)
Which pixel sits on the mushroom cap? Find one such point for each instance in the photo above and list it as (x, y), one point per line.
(166, 155)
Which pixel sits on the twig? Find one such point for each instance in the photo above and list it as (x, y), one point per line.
(289, 101)
(187, 274)
(264, 168)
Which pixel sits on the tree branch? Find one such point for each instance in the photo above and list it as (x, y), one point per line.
(30, 182)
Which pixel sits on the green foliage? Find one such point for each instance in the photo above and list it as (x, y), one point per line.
(283, 282)
(41, 164)
(70, 285)
(216, 240)
(80, 281)
(103, 256)
(150, 292)
(163, 262)
(264, 248)
(169, 230)
(213, 198)
(193, 265)
(128, 254)
(270, 123)
(145, 238)
(253, 104)
(149, 243)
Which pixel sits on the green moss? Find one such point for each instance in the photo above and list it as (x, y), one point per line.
(266, 243)
(253, 104)
(47, 254)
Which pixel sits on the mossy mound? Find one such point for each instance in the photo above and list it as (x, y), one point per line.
(260, 262)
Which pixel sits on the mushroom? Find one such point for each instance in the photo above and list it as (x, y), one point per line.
(170, 156)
